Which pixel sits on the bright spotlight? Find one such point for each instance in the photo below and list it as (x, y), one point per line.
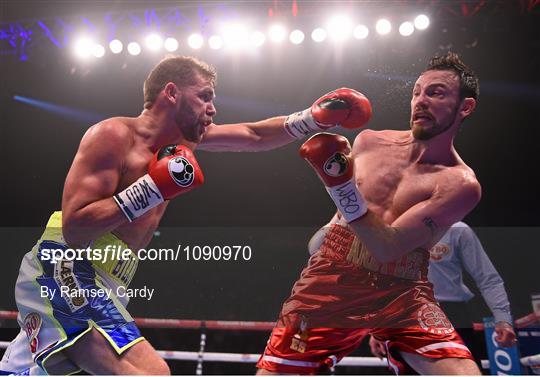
(296, 37)
(361, 32)
(421, 22)
(116, 46)
(339, 28)
(84, 47)
(134, 48)
(171, 44)
(383, 26)
(98, 50)
(257, 39)
(277, 33)
(154, 42)
(406, 28)
(235, 36)
(318, 35)
(195, 41)
(215, 42)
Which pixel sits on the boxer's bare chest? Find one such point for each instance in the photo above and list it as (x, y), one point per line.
(391, 183)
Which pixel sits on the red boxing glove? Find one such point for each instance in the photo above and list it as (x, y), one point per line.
(330, 156)
(345, 107)
(175, 171)
(172, 171)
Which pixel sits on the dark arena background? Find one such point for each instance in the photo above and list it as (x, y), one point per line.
(270, 203)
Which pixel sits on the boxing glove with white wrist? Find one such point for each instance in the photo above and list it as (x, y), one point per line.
(172, 171)
(330, 156)
(342, 107)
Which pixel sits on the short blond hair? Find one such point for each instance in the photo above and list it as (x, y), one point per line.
(180, 70)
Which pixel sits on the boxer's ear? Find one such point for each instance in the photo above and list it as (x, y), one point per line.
(171, 92)
(467, 107)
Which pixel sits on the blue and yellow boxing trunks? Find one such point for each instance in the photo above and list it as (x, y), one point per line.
(52, 316)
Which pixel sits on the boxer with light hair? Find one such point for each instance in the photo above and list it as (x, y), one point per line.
(122, 178)
(397, 193)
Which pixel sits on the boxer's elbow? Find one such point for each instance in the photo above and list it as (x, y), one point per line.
(75, 229)
(73, 235)
(74, 239)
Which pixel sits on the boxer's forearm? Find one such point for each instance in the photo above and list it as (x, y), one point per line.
(385, 242)
(246, 137)
(80, 226)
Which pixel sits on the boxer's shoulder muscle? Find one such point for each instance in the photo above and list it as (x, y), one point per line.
(97, 165)
(116, 130)
(456, 192)
(369, 139)
(107, 141)
(459, 181)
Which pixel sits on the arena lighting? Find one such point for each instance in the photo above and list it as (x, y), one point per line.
(116, 46)
(406, 28)
(195, 41)
(134, 48)
(154, 42)
(98, 50)
(318, 35)
(79, 115)
(383, 26)
(257, 39)
(339, 28)
(361, 32)
(171, 44)
(296, 37)
(421, 22)
(235, 36)
(84, 47)
(215, 42)
(55, 30)
(277, 33)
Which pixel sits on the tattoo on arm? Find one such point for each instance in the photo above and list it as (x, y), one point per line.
(430, 223)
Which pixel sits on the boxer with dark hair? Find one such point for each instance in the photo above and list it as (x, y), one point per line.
(397, 192)
(124, 174)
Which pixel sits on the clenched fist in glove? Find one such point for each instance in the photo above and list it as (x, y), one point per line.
(172, 171)
(330, 156)
(343, 107)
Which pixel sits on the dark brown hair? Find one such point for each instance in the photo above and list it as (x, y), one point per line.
(180, 70)
(468, 81)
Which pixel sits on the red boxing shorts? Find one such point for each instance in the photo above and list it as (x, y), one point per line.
(344, 294)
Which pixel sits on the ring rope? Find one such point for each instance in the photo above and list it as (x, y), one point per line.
(202, 356)
(351, 361)
(193, 324)
(529, 319)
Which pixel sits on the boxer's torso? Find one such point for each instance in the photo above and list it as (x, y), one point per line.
(390, 177)
(138, 233)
